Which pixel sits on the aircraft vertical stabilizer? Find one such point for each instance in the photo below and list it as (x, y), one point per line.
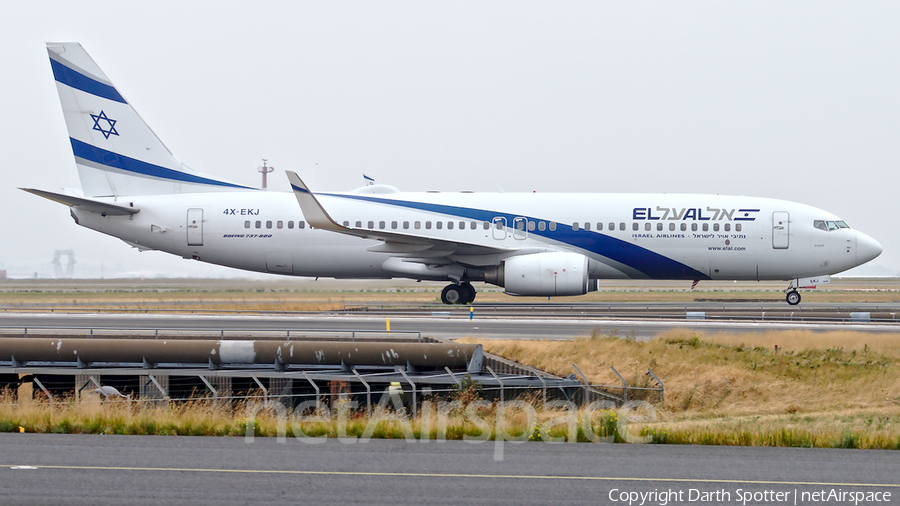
(117, 154)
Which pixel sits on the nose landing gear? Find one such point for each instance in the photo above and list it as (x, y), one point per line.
(793, 297)
(462, 293)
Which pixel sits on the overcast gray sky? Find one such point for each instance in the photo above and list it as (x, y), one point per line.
(791, 100)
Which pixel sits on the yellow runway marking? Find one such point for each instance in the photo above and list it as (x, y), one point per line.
(453, 475)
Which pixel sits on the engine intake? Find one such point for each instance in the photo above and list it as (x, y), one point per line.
(542, 274)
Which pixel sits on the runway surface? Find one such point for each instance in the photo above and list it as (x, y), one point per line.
(443, 327)
(82, 469)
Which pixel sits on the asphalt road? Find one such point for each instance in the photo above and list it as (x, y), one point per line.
(439, 326)
(93, 469)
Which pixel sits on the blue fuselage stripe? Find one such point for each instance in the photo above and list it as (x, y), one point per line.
(652, 264)
(84, 83)
(121, 162)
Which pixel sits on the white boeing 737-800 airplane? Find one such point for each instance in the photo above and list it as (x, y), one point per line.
(133, 188)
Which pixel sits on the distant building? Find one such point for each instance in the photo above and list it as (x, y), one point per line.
(2, 274)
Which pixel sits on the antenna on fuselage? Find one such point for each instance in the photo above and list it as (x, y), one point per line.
(265, 170)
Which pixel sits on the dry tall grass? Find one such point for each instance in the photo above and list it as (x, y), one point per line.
(734, 374)
(830, 389)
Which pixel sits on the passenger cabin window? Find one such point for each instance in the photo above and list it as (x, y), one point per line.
(291, 224)
(405, 225)
(612, 226)
(247, 224)
(301, 224)
(371, 224)
(683, 227)
(381, 225)
(575, 226)
(635, 226)
(599, 226)
(258, 224)
(659, 226)
(418, 225)
(728, 227)
(358, 224)
(648, 226)
(552, 226)
(394, 225)
(622, 226)
(449, 225)
(462, 225)
(428, 225)
(473, 225)
(693, 227)
(279, 224)
(531, 226)
(737, 227)
(439, 224)
(587, 226)
(520, 225)
(346, 223)
(706, 227)
(269, 224)
(486, 225)
(671, 227)
(542, 226)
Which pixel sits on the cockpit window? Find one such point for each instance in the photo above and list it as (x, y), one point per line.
(829, 226)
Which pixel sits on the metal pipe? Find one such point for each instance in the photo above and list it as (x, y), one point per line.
(662, 388)
(41, 386)
(413, 384)
(316, 387)
(498, 380)
(368, 393)
(196, 351)
(209, 386)
(625, 391)
(265, 391)
(543, 383)
(453, 376)
(587, 392)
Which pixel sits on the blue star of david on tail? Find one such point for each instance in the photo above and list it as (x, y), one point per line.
(109, 130)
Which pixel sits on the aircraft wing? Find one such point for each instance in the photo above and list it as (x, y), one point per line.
(397, 243)
(95, 206)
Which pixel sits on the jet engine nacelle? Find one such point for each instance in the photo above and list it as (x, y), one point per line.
(543, 274)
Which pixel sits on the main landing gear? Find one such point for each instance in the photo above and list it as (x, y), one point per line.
(462, 293)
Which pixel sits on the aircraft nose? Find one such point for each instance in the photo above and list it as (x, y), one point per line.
(866, 248)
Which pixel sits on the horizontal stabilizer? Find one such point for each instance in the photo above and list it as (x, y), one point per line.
(93, 206)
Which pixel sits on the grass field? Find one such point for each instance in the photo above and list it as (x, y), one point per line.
(310, 295)
(818, 389)
(835, 389)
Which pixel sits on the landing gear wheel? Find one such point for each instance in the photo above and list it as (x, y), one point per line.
(793, 297)
(469, 294)
(452, 294)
